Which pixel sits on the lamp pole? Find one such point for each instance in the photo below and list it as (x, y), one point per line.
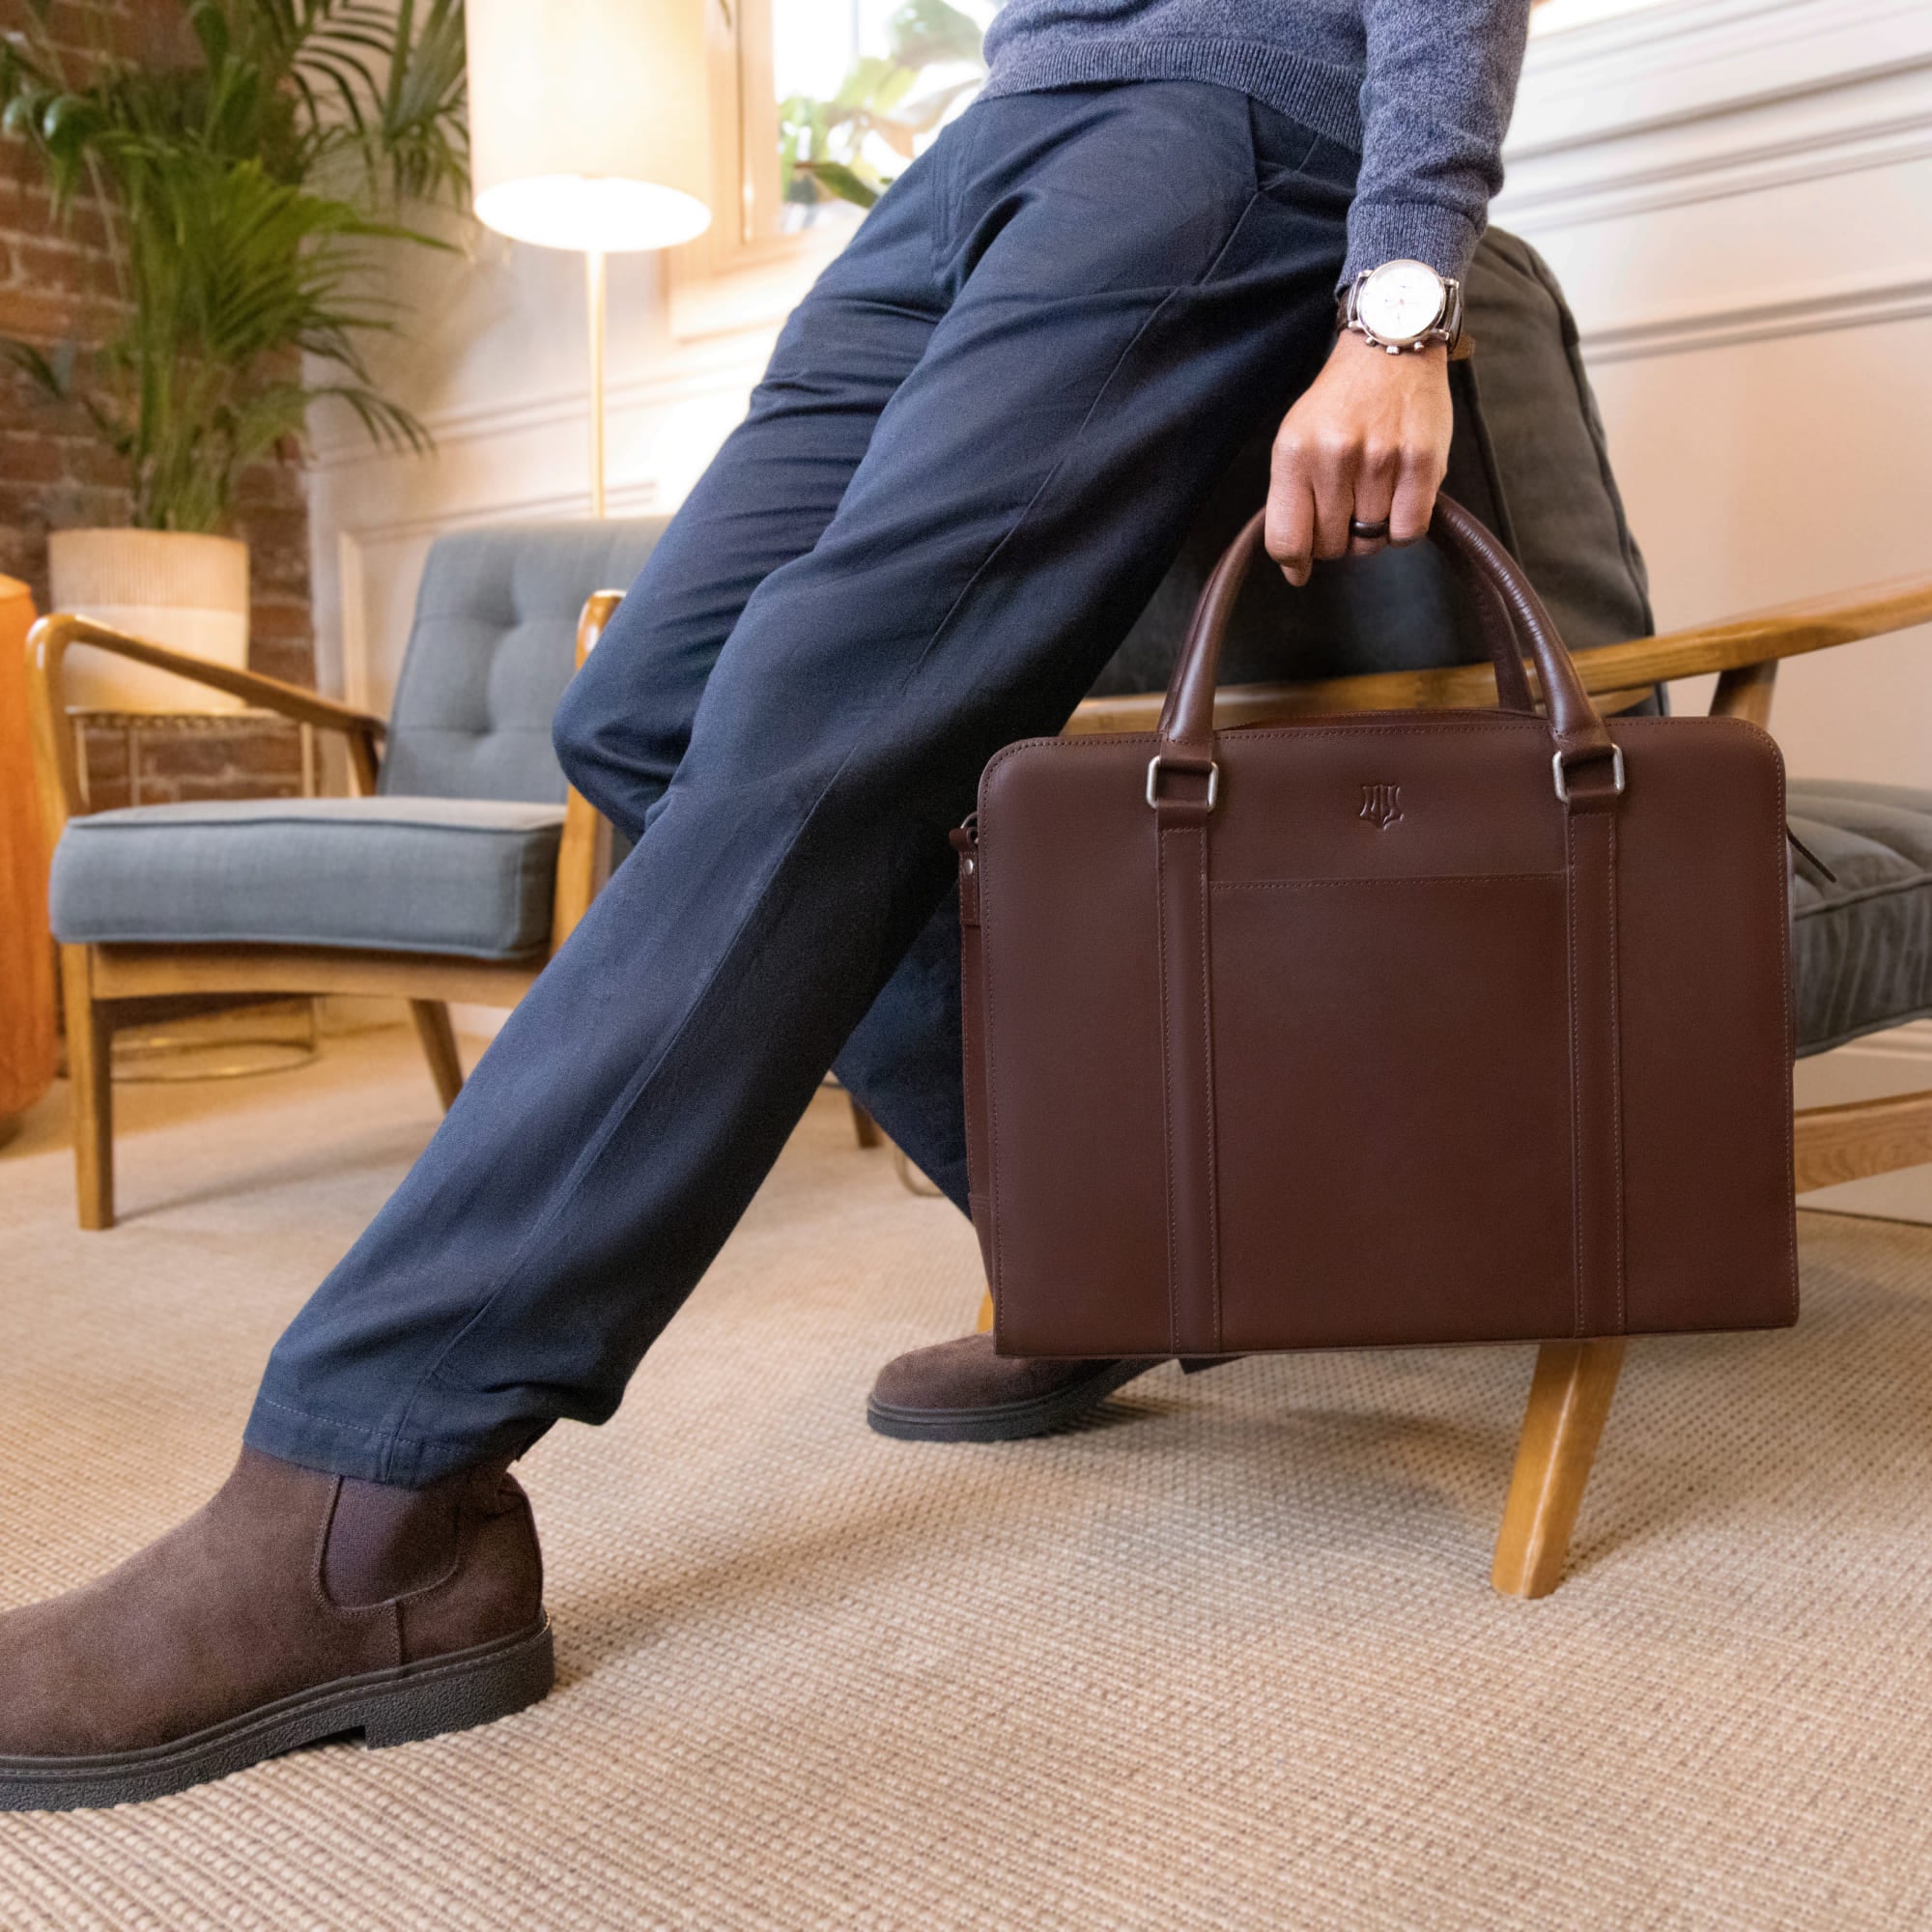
(595, 300)
(589, 131)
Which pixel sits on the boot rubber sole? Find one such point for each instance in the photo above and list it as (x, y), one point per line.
(388, 1706)
(1005, 1421)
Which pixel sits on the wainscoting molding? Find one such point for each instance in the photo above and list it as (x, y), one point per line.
(1737, 196)
(1698, 101)
(1644, 186)
(1815, 314)
(684, 378)
(1912, 1042)
(1643, 71)
(1898, 1062)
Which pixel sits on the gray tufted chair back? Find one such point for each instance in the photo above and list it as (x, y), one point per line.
(492, 647)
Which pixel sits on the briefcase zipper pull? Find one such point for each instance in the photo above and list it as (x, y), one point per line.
(1809, 857)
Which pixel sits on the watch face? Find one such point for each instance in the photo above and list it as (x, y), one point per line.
(1401, 300)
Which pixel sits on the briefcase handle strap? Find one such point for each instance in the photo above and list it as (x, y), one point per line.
(1503, 593)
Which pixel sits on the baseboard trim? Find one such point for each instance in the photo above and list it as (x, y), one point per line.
(1911, 1041)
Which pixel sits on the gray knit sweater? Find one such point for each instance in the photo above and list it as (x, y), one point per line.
(1421, 89)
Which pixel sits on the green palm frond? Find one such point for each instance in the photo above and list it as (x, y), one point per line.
(822, 144)
(250, 186)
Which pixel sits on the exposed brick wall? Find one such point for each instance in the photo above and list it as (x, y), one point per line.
(56, 284)
(222, 758)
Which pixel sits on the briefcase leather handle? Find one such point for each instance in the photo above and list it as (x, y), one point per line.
(1508, 605)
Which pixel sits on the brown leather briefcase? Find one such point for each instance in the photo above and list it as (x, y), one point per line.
(1447, 1025)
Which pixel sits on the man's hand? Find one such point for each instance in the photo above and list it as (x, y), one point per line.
(1369, 439)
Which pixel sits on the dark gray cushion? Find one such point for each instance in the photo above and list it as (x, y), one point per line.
(1861, 947)
(1528, 458)
(471, 877)
(492, 647)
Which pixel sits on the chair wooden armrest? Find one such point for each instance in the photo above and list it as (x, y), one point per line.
(47, 644)
(1736, 645)
(584, 854)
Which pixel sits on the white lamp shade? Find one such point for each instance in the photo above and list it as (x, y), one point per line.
(587, 121)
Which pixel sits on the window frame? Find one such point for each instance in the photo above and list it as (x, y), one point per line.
(743, 272)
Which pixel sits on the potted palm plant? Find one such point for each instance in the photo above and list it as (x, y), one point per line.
(251, 158)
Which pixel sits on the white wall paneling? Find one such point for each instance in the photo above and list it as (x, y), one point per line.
(1898, 1062)
(1737, 195)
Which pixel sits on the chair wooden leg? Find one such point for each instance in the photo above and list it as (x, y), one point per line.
(1569, 1398)
(89, 1067)
(985, 1322)
(863, 1125)
(438, 1045)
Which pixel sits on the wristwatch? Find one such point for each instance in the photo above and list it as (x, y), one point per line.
(1402, 306)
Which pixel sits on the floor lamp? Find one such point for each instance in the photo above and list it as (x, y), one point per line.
(589, 130)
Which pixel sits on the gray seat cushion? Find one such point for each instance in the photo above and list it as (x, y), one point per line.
(467, 876)
(1861, 947)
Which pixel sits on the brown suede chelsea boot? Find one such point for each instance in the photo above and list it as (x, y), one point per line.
(295, 1607)
(960, 1391)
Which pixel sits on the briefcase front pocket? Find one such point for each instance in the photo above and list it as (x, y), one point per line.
(1384, 1109)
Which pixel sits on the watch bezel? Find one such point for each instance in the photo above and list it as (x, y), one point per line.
(1416, 337)
(1445, 327)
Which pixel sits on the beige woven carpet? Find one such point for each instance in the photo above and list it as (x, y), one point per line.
(1231, 1660)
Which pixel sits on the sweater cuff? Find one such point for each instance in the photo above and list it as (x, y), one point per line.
(1415, 231)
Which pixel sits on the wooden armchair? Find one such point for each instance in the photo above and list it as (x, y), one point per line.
(1574, 1381)
(126, 956)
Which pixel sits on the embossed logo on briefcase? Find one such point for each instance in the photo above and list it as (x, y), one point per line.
(1382, 804)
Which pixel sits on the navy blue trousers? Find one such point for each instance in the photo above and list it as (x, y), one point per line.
(978, 443)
